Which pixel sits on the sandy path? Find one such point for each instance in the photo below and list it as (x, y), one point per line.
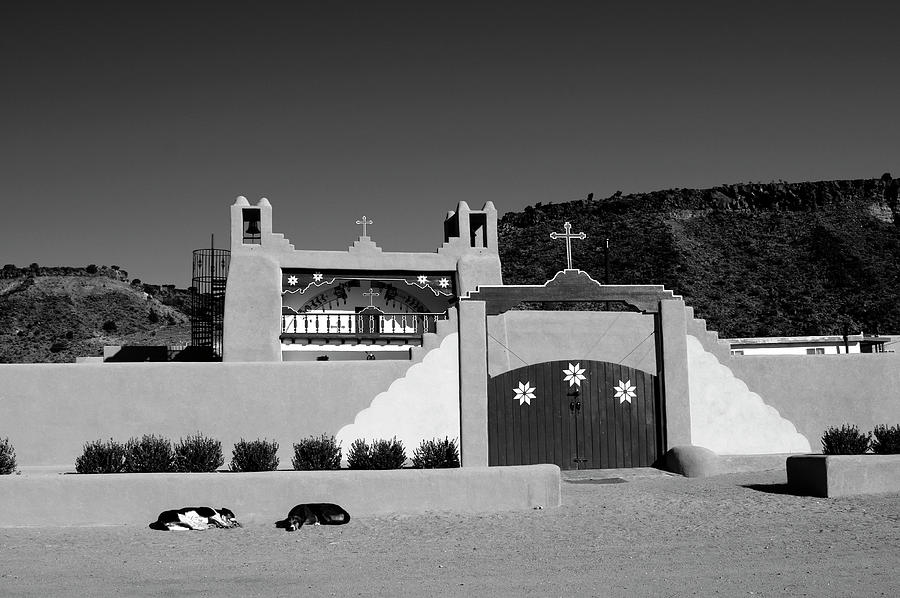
(651, 536)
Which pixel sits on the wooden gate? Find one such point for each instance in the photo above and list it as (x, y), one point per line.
(576, 414)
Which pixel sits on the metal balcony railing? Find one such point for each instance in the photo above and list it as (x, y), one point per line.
(361, 325)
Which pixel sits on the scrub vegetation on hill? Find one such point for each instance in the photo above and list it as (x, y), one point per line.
(755, 259)
(53, 315)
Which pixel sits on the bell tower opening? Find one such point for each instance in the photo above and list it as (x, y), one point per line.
(478, 229)
(250, 226)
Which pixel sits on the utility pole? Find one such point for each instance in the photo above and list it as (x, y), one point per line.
(606, 266)
(606, 262)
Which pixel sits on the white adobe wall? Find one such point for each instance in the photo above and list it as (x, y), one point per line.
(729, 419)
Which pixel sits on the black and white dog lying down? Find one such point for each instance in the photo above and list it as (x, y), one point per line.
(190, 518)
(313, 514)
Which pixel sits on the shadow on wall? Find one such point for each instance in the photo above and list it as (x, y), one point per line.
(422, 405)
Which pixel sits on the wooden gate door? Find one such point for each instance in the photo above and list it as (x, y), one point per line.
(578, 415)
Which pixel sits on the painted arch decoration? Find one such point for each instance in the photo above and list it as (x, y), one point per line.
(304, 290)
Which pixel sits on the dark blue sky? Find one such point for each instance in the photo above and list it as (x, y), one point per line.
(128, 128)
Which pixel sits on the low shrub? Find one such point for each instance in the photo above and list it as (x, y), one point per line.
(886, 440)
(846, 440)
(382, 454)
(255, 455)
(436, 454)
(101, 457)
(387, 454)
(198, 454)
(149, 454)
(317, 453)
(7, 457)
(359, 456)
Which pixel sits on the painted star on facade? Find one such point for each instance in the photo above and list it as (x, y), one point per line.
(524, 393)
(444, 283)
(292, 280)
(574, 375)
(422, 280)
(625, 391)
(317, 277)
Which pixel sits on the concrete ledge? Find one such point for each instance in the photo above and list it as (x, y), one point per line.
(264, 497)
(693, 461)
(843, 475)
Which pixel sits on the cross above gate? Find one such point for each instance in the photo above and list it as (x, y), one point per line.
(364, 222)
(568, 236)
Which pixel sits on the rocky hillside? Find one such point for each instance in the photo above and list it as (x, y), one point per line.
(57, 314)
(755, 259)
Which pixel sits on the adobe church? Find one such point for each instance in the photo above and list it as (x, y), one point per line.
(454, 355)
(370, 344)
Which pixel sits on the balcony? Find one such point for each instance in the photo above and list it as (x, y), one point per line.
(368, 327)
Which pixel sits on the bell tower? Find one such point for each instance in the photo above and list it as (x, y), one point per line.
(475, 229)
(252, 297)
(250, 224)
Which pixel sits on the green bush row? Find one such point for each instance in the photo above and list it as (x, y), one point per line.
(381, 454)
(198, 453)
(848, 440)
(151, 454)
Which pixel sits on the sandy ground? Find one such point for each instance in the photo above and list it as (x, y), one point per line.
(651, 535)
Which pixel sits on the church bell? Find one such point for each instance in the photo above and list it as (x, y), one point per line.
(253, 227)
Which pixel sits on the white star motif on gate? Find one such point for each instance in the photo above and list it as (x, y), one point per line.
(524, 393)
(422, 280)
(625, 391)
(444, 283)
(575, 374)
(317, 277)
(292, 280)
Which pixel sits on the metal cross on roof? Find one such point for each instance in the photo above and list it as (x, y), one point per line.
(568, 236)
(371, 294)
(364, 222)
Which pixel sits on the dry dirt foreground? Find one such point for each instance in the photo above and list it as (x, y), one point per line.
(652, 535)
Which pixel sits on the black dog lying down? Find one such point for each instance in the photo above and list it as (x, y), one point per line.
(313, 514)
(190, 518)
